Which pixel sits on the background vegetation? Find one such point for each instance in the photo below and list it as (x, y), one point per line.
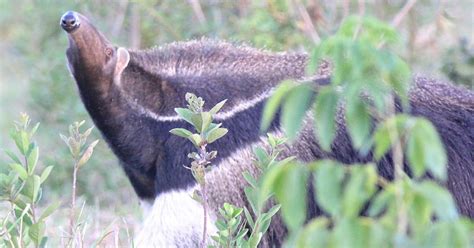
(437, 38)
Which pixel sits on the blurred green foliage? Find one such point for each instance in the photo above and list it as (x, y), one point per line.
(34, 76)
(408, 211)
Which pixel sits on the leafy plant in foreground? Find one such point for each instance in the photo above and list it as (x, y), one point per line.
(258, 194)
(76, 142)
(206, 133)
(367, 79)
(21, 188)
(259, 197)
(231, 231)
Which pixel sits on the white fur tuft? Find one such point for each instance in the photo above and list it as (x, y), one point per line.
(175, 220)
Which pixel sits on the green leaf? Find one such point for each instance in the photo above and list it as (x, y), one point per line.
(448, 234)
(228, 209)
(197, 122)
(381, 201)
(291, 192)
(36, 232)
(88, 132)
(185, 114)
(197, 196)
(20, 170)
(225, 233)
(206, 121)
(237, 211)
(49, 210)
(325, 111)
(216, 134)
(74, 147)
(359, 189)
(400, 123)
(382, 141)
(415, 153)
(33, 160)
(358, 121)
(269, 179)
(272, 211)
(21, 140)
(46, 172)
(352, 233)
(220, 224)
(272, 140)
(13, 157)
(425, 149)
(241, 235)
(294, 109)
(379, 235)
(250, 179)
(21, 215)
(314, 61)
(328, 182)
(181, 132)
(440, 199)
(36, 187)
(32, 187)
(284, 161)
(420, 214)
(254, 240)
(212, 127)
(25, 142)
(264, 221)
(43, 243)
(261, 155)
(64, 139)
(218, 107)
(34, 129)
(195, 139)
(314, 234)
(399, 78)
(273, 104)
(87, 154)
(249, 218)
(252, 196)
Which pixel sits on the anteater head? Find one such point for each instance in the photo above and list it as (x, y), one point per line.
(93, 61)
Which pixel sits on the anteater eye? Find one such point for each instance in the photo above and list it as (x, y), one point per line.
(109, 51)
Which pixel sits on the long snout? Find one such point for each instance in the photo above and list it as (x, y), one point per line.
(70, 21)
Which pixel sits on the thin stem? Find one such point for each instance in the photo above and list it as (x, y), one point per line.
(403, 12)
(230, 237)
(197, 9)
(308, 24)
(397, 157)
(33, 215)
(204, 205)
(202, 181)
(73, 201)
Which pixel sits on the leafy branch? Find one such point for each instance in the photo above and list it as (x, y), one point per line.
(367, 82)
(76, 142)
(22, 188)
(206, 133)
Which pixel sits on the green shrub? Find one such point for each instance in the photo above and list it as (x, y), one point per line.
(406, 212)
(22, 188)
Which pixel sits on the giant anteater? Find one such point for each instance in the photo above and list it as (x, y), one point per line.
(131, 95)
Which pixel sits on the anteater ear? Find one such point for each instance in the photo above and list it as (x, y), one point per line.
(123, 57)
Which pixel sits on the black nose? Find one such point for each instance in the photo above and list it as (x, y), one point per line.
(70, 21)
